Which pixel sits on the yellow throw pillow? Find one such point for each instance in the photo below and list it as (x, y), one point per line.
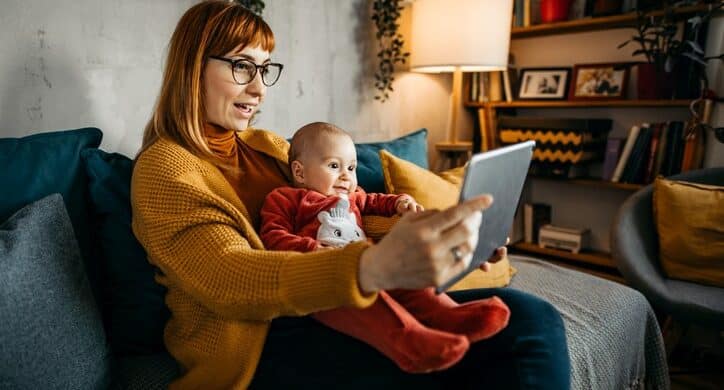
(690, 223)
(439, 192)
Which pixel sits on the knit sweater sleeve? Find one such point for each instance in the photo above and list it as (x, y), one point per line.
(277, 223)
(185, 216)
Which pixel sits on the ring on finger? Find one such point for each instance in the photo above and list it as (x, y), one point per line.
(457, 253)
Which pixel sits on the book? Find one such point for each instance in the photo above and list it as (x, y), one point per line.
(526, 13)
(495, 87)
(650, 161)
(633, 171)
(661, 150)
(611, 156)
(535, 215)
(506, 86)
(677, 148)
(625, 153)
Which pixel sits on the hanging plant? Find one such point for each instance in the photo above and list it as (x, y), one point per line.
(385, 14)
(255, 6)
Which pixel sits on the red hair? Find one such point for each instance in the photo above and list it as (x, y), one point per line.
(209, 28)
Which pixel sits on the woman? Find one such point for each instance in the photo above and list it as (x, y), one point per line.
(238, 311)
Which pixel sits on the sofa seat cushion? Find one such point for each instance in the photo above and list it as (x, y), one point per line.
(42, 164)
(51, 334)
(136, 313)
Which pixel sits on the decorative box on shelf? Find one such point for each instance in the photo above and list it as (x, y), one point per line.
(564, 147)
(573, 240)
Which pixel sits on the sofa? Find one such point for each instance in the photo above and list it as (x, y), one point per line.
(81, 308)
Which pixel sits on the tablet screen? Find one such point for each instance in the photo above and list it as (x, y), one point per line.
(501, 173)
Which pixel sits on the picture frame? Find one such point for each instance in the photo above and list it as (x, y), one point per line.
(605, 81)
(543, 83)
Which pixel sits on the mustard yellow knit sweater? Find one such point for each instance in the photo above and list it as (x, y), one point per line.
(223, 287)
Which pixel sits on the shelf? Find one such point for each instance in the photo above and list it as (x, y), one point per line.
(594, 183)
(631, 103)
(601, 259)
(594, 24)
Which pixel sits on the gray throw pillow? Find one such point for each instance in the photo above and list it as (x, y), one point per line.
(51, 334)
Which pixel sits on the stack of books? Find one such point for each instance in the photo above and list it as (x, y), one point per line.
(650, 150)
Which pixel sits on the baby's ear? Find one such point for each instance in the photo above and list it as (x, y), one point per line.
(297, 171)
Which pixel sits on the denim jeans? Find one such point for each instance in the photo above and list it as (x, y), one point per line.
(530, 353)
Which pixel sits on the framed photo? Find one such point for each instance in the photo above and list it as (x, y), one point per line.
(599, 81)
(543, 83)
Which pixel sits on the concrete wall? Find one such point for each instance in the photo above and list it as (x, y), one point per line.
(73, 63)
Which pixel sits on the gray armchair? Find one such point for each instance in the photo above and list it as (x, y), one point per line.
(635, 250)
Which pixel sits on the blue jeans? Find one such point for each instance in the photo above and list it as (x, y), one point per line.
(530, 353)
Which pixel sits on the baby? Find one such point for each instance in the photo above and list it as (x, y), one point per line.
(419, 330)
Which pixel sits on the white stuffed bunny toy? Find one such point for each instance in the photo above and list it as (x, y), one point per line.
(339, 226)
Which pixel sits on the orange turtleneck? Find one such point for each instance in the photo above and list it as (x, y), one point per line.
(257, 173)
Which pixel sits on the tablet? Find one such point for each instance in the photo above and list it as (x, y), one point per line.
(501, 173)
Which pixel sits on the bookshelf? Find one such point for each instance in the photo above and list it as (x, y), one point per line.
(603, 265)
(593, 24)
(607, 195)
(594, 183)
(631, 103)
(598, 258)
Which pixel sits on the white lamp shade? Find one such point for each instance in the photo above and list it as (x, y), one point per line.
(473, 35)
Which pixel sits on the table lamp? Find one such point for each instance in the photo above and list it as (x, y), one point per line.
(460, 36)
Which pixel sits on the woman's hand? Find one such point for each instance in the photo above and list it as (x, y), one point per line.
(424, 249)
(407, 204)
(500, 254)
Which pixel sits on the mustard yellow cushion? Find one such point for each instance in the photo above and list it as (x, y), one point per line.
(439, 192)
(690, 223)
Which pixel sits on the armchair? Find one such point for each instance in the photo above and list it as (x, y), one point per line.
(635, 249)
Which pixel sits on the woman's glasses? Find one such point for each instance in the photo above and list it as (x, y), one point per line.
(244, 71)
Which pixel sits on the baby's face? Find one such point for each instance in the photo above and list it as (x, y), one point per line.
(330, 168)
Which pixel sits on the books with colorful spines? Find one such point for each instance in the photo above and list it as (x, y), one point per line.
(625, 152)
(535, 215)
(611, 156)
(650, 160)
(633, 171)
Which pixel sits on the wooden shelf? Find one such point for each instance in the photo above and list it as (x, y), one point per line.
(631, 103)
(600, 259)
(594, 24)
(593, 183)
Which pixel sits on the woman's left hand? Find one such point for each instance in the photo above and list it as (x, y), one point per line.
(500, 254)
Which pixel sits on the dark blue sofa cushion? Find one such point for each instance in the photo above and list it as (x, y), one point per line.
(38, 165)
(135, 310)
(51, 334)
(411, 147)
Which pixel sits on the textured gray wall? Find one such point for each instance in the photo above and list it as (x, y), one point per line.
(72, 63)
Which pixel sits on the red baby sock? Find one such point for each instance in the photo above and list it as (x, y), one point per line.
(478, 320)
(390, 329)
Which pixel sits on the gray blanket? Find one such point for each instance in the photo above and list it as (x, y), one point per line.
(613, 337)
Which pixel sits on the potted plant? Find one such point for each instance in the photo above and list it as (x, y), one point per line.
(669, 56)
(385, 14)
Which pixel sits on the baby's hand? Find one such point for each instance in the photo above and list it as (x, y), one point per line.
(407, 204)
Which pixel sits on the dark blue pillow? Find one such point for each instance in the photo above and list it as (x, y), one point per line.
(135, 310)
(411, 147)
(38, 165)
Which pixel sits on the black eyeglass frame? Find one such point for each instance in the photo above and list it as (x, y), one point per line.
(256, 69)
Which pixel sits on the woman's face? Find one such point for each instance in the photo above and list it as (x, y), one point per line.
(227, 103)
